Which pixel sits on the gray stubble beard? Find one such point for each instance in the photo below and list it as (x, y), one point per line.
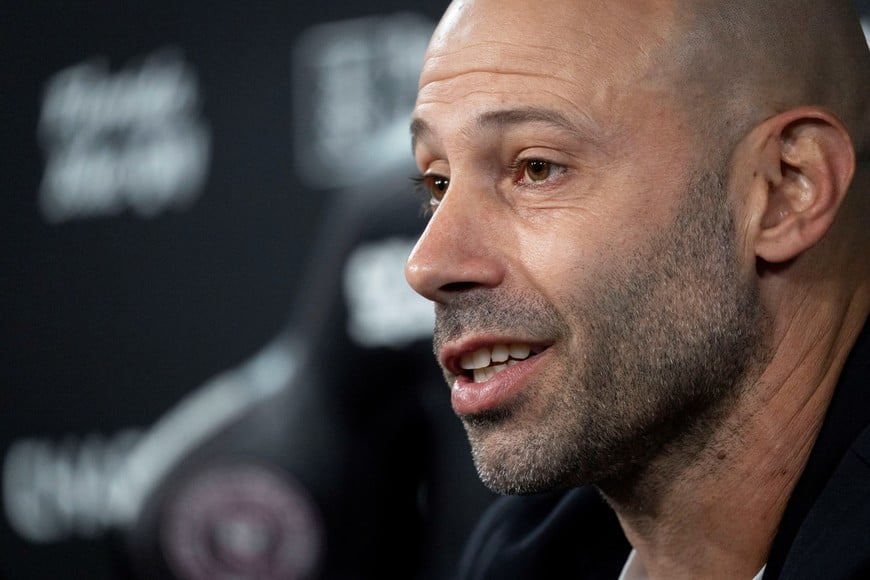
(672, 336)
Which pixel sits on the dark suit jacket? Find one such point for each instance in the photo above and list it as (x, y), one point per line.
(824, 532)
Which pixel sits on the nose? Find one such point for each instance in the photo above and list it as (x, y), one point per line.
(459, 249)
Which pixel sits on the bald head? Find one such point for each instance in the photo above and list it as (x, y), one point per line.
(730, 64)
(734, 62)
(757, 59)
(709, 70)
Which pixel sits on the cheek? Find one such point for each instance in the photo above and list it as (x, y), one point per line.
(558, 258)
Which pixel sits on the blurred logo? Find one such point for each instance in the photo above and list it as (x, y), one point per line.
(84, 486)
(242, 522)
(355, 83)
(127, 140)
(383, 311)
(54, 491)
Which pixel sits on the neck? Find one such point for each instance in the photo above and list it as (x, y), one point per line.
(713, 512)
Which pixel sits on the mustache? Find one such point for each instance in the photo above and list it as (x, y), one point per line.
(495, 311)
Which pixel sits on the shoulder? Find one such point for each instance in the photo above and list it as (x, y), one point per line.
(570, 533)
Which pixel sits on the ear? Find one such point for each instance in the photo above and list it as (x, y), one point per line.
(803, 161)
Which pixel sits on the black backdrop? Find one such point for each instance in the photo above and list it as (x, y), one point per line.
(182, 186)
(116, 309)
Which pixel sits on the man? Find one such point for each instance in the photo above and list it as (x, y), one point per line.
(648, 258)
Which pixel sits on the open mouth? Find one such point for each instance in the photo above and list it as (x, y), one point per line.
(486, 362)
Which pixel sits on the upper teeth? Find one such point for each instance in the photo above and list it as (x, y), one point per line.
(499, 353)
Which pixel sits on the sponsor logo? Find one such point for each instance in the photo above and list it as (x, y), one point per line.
(241, 521)
(356, 82)
(133, 139)
(383, 311)
(56, 490)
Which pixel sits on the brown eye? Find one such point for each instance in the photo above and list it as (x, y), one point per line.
(433, 187)
(537, 170)
(437, 186)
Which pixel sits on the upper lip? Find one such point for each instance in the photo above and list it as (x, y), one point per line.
(451, 353)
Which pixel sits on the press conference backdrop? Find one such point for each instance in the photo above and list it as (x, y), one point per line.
(211, 365)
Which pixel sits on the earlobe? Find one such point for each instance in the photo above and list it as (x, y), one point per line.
(807, 163)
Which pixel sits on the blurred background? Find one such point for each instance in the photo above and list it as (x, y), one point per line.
(210, 364)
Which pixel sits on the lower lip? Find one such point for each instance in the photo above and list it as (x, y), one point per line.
(470, 398)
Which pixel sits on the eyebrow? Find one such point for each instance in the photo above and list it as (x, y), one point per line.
(503, 119)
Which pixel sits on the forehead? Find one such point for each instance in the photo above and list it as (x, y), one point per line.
(554, 32)
(584, 57)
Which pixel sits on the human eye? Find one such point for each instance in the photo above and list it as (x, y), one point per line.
(535, 171)
(433, 187)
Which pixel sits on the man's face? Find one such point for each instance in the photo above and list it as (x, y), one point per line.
(581, 250)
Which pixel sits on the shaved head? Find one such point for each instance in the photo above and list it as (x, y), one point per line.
(756, 59)
(735, 62)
